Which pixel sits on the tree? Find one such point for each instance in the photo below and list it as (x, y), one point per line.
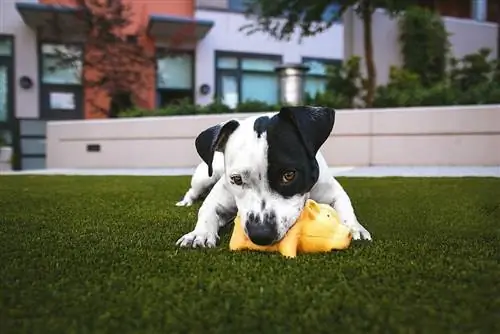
(281, 18)
(118, 62)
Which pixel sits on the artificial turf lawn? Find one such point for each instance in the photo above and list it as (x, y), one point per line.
(97, 254)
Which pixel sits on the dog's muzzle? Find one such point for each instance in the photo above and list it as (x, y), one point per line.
(261, 231)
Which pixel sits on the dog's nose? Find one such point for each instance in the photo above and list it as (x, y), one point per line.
(261, 232)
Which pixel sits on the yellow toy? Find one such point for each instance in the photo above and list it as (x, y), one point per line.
(318, 229)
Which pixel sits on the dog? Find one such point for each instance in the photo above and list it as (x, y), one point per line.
(264, 168)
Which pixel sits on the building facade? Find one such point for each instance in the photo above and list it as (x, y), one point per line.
(200, 54)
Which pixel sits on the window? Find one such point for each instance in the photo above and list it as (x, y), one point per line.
(5, 47)
(174, 76)
(332, 13)
(61, 64)
(239, 5)
(316, 77)
(242, 78)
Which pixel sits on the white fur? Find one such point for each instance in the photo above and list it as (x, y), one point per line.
(246, 152)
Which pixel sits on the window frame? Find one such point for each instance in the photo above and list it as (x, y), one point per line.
(159, 90)
(326, 61)
(80, 46)
(238, 72)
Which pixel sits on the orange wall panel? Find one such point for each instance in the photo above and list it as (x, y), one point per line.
(169, 7)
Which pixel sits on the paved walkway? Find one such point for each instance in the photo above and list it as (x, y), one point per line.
(340, 171)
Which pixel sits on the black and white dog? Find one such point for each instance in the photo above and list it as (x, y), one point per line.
(265, 167)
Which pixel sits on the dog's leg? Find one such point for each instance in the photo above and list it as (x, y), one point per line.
(329, 191)
(342, 204)
(216, 211)
(201, 184)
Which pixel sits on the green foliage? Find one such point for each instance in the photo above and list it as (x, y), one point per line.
(473, 69)
(251, 106)
(424, 44)
(306, 16)
(184, 107)
(470, 80)
(345, 84)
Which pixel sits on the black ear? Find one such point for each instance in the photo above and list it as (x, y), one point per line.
(314, 124)
(214, 139)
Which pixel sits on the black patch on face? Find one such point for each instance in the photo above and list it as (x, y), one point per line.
(225, 214)
(260, 125)
(286, 152)
(262, 205)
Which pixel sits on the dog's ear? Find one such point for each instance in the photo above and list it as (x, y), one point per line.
(314, 124)
(214, 139)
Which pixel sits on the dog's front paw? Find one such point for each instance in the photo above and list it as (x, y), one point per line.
(359, 232)
(198, 239)
(184, 202)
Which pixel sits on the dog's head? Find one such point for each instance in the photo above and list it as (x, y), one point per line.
(270, 165)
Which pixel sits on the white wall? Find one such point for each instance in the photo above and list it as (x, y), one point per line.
(427, 136)
(225, 36)
(26, 63)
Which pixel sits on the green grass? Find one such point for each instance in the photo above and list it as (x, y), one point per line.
(98, 254)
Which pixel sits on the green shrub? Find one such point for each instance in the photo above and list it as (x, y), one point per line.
(472, 70)
(251, 106)
(184, 107)
(216, 107)
(424, 44)
(331, 99)
(344, 86)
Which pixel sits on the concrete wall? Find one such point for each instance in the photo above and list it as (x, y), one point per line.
(26, 61)
(467, 36)
(443, 136)
(225, 36)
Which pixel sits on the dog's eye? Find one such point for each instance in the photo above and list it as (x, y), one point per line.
(236, 179)
(287, 176)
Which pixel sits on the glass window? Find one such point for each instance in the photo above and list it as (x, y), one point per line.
(261, 87)
(239, 5)
(331, 13)
(61, 64)
(314, 85)
(227, 62)
(255, 64)
(175, 71)
(316, 77)
(242, 78)
(229, 90)
(5, 47)
(316, 67)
